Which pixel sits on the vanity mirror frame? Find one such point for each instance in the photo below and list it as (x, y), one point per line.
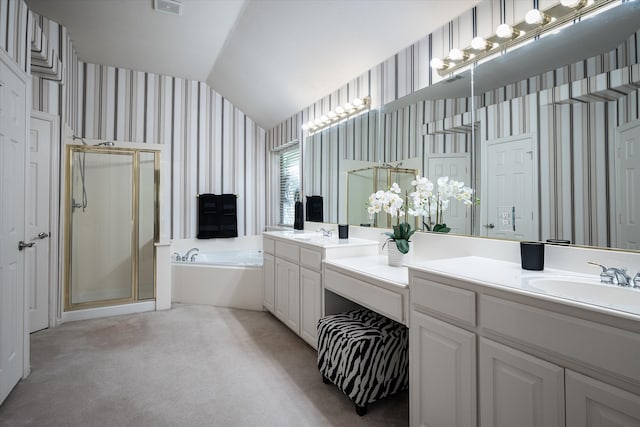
(589, 87)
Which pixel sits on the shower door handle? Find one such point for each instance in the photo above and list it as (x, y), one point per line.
(43, 235)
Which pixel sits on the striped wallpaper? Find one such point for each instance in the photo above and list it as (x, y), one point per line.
(14, 31)
(214, 147)
(408, 71)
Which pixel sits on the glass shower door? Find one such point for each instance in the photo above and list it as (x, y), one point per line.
(102, 213)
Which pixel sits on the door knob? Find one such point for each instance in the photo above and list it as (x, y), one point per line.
(22, 245)
(489, 225)
(43, 235)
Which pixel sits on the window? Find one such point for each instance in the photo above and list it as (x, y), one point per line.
(289, 184)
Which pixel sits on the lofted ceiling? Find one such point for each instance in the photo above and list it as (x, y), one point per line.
(270, 58)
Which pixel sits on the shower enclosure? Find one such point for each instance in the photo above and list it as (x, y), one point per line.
(111, 225)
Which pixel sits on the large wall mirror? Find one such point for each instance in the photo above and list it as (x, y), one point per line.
(550, 139)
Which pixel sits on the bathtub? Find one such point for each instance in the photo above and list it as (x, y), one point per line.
(224, 273)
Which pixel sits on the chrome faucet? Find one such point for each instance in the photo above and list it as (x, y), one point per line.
(617, 276)
(193, 257)
(325, 233)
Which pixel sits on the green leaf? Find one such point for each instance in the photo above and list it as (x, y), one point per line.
(402, 245)
(441, 228)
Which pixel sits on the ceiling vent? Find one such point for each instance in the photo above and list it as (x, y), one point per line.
(173, 7)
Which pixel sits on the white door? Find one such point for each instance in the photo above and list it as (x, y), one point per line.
(510, 196)
(456, 167)
(628, 187)
(38, 224)
(13, 146)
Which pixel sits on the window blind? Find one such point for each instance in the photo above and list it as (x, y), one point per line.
(289, 183)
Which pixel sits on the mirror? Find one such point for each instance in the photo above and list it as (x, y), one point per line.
(565, 101)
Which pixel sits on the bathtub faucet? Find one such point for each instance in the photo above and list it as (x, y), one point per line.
(193, 257)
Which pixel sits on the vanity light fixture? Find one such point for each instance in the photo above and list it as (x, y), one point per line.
(342, 112)
(535, 17)
(506, 31)
(480, 43)
(456, 54)
(535, 23)
(439, 64)
(574, 4)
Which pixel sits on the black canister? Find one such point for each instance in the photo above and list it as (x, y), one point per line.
(343, 231)
(532, 255)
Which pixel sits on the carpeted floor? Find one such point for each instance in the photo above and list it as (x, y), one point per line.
(189, 366)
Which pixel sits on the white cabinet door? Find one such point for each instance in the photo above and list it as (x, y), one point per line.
(517, 389)
(442, 364)
(287, 299)
(596, 404)
(269, 282)
(311, 305)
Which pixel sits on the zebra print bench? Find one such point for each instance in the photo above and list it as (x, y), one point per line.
(365, 354)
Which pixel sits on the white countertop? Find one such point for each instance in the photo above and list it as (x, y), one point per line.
(375, 267)
(492, 273)
(316, 239)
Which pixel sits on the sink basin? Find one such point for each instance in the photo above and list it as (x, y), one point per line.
(586, 289)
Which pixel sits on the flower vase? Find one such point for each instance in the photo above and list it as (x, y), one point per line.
(395, 257)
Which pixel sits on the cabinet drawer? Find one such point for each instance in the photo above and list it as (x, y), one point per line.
(598, 346)
(268, 246)
(288, 251)
(458, 304)
(383, 301)
(310, 259)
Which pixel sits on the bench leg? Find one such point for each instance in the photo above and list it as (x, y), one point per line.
(361, 410)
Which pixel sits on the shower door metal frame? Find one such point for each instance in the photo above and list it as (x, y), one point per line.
(135, 229)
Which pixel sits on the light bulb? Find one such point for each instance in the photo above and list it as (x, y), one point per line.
(305, 126)
(439, 64)
(506, 31)
(535, 17)
(348, 106)
(339, 110)
(574, 4)
(456, 54)
(357, 102)
(317, 122)
(480, 43)
(331, 114)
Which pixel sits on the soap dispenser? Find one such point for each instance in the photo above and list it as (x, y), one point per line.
(298, 217)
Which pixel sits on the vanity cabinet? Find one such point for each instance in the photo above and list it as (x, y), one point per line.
(538, 362)
(292, 270)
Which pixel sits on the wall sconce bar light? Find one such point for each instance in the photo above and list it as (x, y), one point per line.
(340, 113)
(535, 23)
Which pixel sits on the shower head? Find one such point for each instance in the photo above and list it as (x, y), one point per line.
(78, 138)
(105, 144)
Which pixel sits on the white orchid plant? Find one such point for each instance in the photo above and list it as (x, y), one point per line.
(431, 202)
(391, 203)
(427, 201)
